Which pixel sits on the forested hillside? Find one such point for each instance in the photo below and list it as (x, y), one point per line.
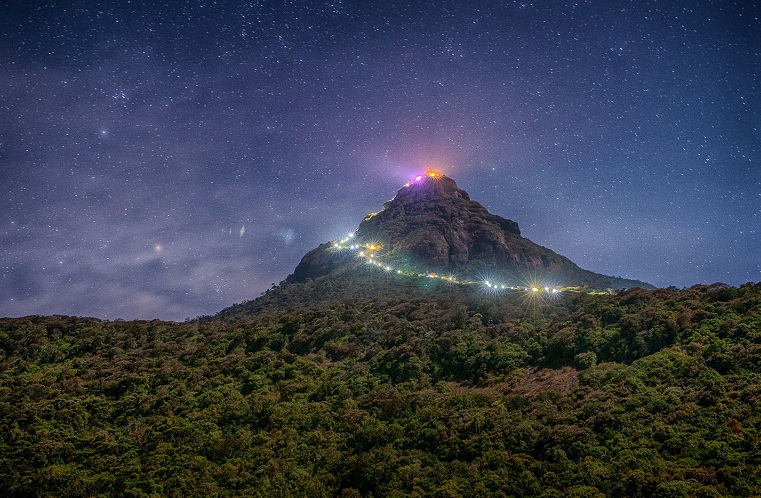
(640, 393)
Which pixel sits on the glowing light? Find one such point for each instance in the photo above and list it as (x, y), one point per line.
(373, 250)
(427, 174)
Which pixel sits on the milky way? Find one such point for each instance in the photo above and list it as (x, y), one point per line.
(166, 162)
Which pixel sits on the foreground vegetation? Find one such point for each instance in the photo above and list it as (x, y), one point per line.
(642, 393)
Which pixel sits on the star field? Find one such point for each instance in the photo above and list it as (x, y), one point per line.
(167, 161)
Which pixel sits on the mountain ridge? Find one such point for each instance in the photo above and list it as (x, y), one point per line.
(431, 237)
(434, 225)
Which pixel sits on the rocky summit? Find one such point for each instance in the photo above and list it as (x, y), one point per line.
(432, 227)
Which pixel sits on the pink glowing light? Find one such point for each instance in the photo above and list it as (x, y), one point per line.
(419, 178)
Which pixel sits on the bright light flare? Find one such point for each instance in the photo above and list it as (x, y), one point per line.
(428, 174)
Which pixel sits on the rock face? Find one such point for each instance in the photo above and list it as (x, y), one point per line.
(433, 225)
(435, 222)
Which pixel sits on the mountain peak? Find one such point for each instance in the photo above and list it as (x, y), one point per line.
(429, 185)
(432, 227)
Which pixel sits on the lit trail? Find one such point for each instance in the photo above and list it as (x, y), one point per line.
(372, 254)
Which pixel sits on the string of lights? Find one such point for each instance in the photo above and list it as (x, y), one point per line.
(372, 254)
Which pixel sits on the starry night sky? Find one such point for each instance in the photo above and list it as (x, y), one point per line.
(138, 139)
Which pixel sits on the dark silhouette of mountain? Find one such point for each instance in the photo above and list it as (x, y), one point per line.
(431, 230)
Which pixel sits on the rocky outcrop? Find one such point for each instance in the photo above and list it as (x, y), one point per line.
(436, 223)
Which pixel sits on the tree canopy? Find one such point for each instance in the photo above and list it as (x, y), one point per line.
(639, 393)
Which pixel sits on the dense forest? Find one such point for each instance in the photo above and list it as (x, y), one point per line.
(640, 393)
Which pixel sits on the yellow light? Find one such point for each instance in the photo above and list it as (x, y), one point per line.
(534, 289)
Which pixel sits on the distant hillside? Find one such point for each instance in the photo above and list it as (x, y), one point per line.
(635, 394)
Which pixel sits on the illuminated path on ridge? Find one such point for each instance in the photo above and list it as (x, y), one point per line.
(369, 252)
